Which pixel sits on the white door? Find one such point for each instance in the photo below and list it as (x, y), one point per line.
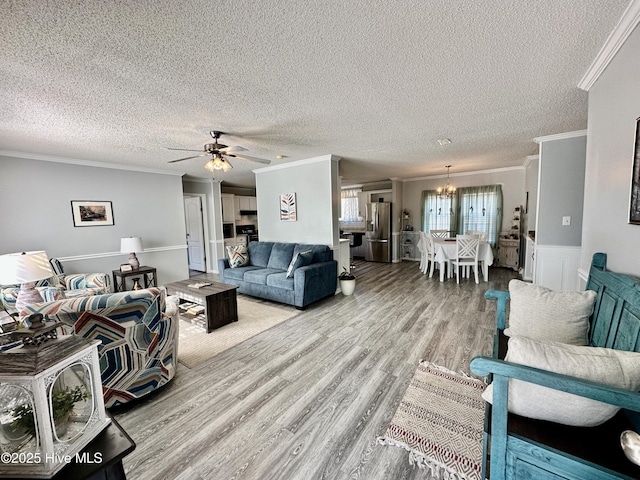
(195, 233)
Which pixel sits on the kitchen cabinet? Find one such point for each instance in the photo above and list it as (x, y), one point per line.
(243, 203)
(228, 208)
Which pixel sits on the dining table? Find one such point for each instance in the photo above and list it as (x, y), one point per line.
(445, 251)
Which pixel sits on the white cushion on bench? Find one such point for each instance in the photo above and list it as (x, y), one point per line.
(603, 365)
(539, 313)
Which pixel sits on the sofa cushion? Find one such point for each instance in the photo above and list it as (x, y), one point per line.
(260, 275)
(259, 253)
(539, 313)
(281, 255)
(300, 259)
(321, 253)
(602, 365)
(238, 256)
(280, 280)
(237, 274)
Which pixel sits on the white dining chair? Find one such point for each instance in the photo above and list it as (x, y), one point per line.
(421, 248)
(467, 247)
(482, 234)
(429, 254)
(439, 233)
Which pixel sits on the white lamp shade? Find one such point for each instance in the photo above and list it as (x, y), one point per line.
(131, 245)
(24, 267)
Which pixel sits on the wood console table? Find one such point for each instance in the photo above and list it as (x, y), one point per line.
(147, 274)
(218, 299)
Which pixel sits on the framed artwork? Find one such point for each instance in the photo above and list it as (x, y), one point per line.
(634, 209)
(87, 213)
(288, 207)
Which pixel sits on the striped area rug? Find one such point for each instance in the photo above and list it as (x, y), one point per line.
(440, 422)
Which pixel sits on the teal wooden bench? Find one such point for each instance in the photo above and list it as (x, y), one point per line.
(522, 448)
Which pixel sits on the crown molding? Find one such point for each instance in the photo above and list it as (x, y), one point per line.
(86, 163)
(464, 174)
(529, 159)
(627, 23)
(561, 136)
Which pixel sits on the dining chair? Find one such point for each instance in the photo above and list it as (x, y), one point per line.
(430, 254)
(421, 248)
(439, 233)
(482, 234)
(467, 247)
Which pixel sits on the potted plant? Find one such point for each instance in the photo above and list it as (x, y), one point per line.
(62, 402)
(347, 281)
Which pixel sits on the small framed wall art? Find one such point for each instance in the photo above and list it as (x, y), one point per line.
(88, 213)
(288, 207)
(634, 207)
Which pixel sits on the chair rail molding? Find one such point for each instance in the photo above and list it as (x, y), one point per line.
(92, 256)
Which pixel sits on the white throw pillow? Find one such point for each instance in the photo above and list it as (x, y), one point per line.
(602, 365)
(539, 313)
(238, 256)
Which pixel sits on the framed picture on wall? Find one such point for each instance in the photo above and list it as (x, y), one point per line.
(89, 213)
(288, 207)
(634, 209)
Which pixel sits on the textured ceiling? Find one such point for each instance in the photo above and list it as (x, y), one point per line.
(375, 82)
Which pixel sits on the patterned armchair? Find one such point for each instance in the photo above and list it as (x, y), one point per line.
(139, 334)
(60, 286)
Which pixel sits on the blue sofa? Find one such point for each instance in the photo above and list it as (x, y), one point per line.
(265, 276)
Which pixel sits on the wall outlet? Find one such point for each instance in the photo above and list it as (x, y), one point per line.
(566, 221)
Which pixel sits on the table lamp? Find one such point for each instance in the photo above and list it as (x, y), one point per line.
(25, 269)
(132, 245)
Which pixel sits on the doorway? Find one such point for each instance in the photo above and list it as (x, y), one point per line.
(196, 241)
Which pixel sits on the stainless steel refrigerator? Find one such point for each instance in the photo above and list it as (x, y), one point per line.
(378, 233)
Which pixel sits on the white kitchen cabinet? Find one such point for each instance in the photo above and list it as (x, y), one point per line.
(228, 208)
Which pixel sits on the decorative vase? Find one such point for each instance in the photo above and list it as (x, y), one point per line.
(347, 286)
(136, 284)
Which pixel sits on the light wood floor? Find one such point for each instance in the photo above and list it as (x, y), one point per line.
(308, 398)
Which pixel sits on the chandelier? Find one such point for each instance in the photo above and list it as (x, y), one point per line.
(218, 162)
(448, 191)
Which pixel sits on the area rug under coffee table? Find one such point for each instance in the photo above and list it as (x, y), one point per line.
(196, 346)
(440, 422)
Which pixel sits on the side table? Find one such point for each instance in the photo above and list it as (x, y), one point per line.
(148, 275)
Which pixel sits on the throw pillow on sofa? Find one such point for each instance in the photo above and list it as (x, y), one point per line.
(238, 256)
(616, 368)
(539, 313)
(300, 259)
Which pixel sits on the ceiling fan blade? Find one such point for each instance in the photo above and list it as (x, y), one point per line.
(253, 159)
(187, 158)
(183, 149)
(233, 149)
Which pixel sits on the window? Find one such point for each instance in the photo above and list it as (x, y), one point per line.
(481, 209)
(349, 205)
(472, 208)
(438, 213)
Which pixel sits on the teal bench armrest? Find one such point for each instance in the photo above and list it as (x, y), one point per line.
(502, 371)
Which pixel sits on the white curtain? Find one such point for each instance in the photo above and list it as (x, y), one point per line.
(438, 213)
(350, 204)
(481, 209)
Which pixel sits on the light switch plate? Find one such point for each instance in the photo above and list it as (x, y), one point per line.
(566, 221)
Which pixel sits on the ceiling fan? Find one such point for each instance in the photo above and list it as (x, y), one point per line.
(219, 153)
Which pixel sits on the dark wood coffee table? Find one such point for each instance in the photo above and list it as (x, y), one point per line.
(218, 299)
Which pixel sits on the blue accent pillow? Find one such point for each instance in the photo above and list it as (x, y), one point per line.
(300, 259)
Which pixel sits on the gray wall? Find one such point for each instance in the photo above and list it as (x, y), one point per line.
(614, 105)
(512, 181)
(561, 178)
(531, 187)
(315, 183)
(37, 199)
